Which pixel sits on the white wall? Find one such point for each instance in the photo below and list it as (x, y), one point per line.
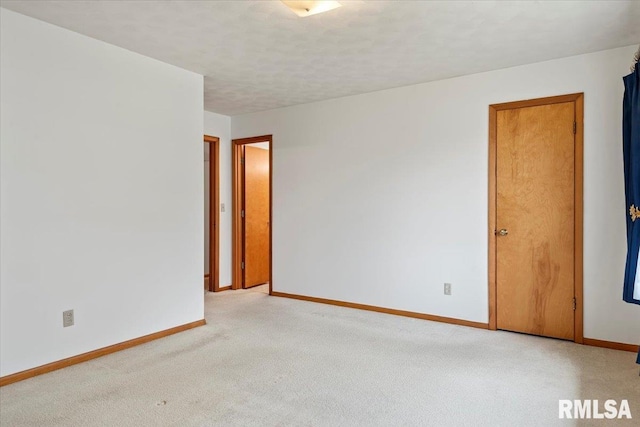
(381, 198)
(636, 289)
(101, 194)
(220, 126)
(262, 145)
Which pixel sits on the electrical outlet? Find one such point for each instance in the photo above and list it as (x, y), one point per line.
(447, 288)
(67, 318)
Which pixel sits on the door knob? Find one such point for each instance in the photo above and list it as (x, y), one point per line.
(503, 232)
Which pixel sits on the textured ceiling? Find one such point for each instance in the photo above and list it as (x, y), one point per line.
(258, 55)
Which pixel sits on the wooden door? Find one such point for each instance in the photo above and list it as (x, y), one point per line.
(256, 216)
(535, 214)
(207, 216)
(212, 212)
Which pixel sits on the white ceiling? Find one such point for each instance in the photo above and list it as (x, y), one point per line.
(258, 55)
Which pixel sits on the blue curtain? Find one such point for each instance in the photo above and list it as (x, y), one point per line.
(631, 153)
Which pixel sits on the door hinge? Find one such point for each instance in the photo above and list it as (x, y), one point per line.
(574, 304)
(575, 127)
(242, 160)
(242, 213)
(242, 265)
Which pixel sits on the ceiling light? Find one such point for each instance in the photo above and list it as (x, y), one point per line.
(308, 8)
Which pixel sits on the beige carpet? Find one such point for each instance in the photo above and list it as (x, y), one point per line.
(268, 361)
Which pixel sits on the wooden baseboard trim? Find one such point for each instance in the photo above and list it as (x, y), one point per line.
(611, 344)
(74, 360)
(224, 288)
(384, 310)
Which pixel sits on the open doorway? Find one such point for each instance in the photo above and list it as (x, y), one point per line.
(252, 212)
(211, 213)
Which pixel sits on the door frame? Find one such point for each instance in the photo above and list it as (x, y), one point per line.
(214, 212)
(237, 191)
(578, 99)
